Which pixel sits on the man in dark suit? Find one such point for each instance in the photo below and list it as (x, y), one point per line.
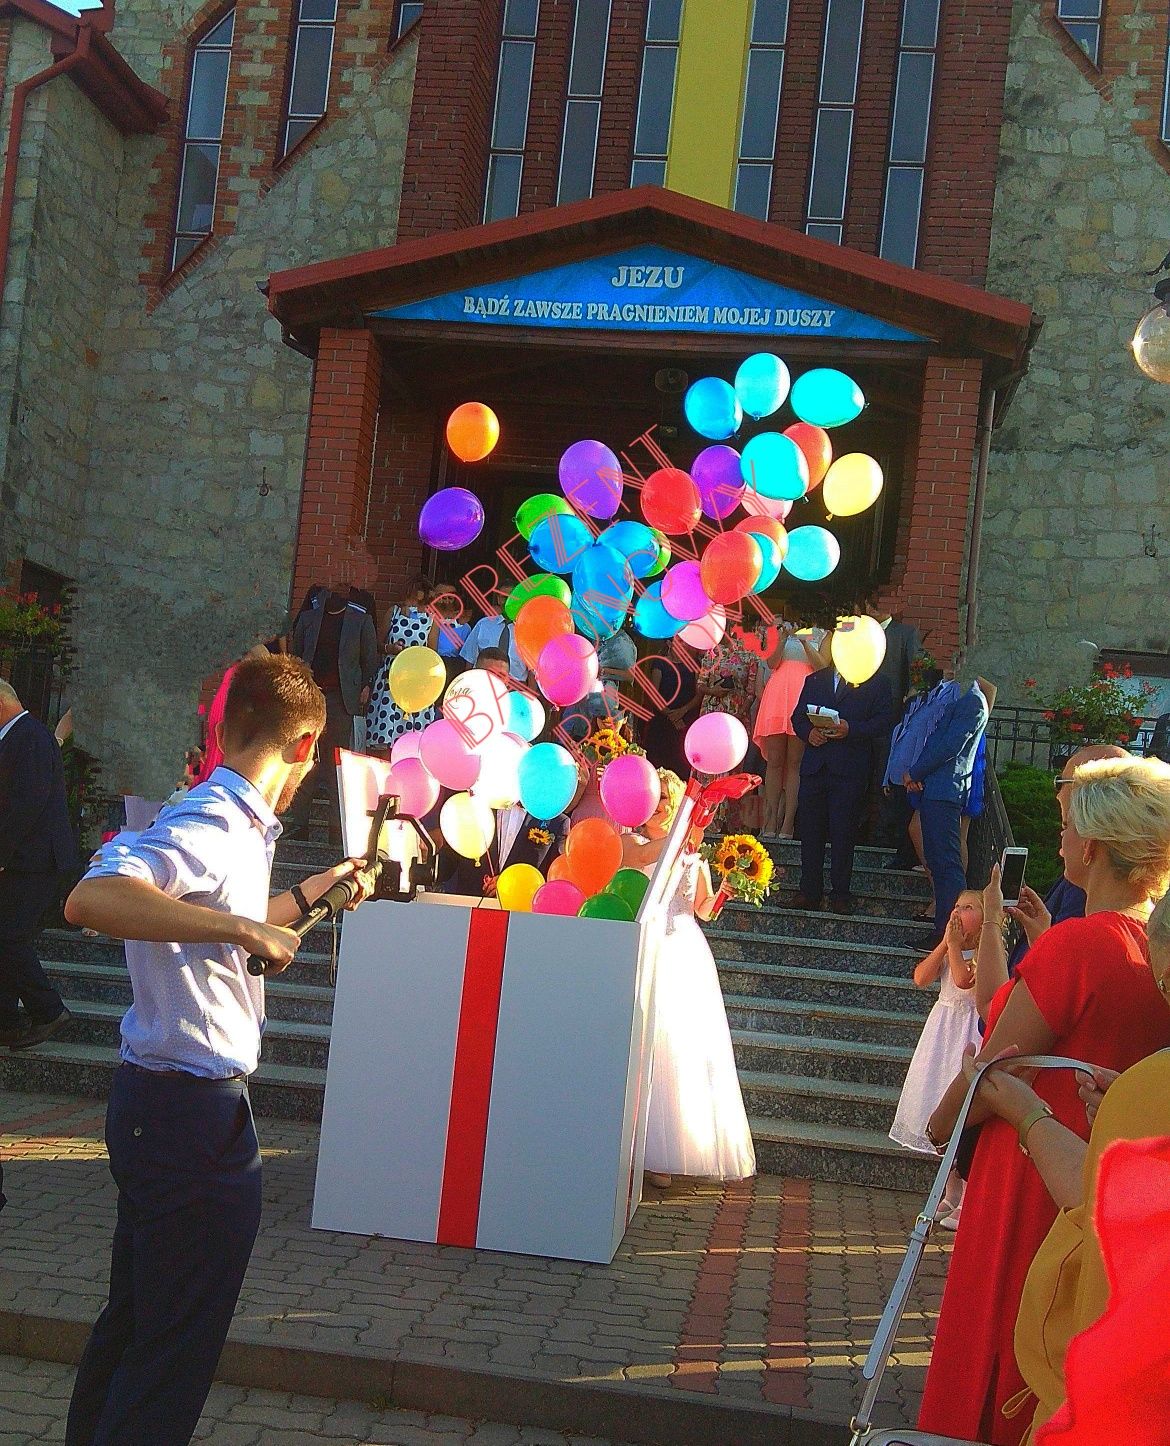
(336, 638)
(834, 777)
(890, 812)
(36, 849)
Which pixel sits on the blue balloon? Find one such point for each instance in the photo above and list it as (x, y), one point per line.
(713, 409)
(636, 543)
(773, 561)
(762, 384)
(602, 579)
(651, 619)
(813, 553)
(595, 623)
(557, 542)
(523, 715)
(827, 398)
(548, 780)
(775, 467)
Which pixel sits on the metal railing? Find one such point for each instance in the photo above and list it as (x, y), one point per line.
(991, 833)
(1024, 735)
(39, 676)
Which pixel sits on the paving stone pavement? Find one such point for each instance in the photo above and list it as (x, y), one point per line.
(35, 1396)
(766, 1291)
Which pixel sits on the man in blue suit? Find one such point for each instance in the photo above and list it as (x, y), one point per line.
(942, 775)
(834, 777)
(36, 849)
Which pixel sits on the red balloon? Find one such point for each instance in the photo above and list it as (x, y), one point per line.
(671, 501)
(730, 566)
(817, 447)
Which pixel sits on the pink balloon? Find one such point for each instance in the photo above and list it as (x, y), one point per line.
(558, 897)
(630, 790)
(416, 790)
(706, 632)
(755, 504)
(405, 746)
(447, 756)
(715, 743)
(683, 595)
(567, 669)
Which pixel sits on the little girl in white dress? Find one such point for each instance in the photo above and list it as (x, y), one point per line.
(697, 1122)
(950, 1027)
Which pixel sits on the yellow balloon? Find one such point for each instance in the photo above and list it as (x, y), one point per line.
(852, 483)
(858, 647)
(516, 887)
(468, 825)
(416, 678)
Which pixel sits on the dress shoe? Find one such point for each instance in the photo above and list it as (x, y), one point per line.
(802, 901)
(38, 1033)
(841, 904)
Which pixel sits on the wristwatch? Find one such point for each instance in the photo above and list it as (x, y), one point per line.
(939, 1149)
(1033, 1117)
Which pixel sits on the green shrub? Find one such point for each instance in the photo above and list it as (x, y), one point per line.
(1034, 814)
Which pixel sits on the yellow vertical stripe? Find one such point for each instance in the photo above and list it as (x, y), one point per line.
(708, 99)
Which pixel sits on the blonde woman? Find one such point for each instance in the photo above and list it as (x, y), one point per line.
(697, 1123)
(1084, 990)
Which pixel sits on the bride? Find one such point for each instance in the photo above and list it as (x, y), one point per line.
(697, 1123)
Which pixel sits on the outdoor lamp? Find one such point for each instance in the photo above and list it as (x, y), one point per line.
(1151, 341)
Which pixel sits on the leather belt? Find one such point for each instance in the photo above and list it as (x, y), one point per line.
(183, 1074)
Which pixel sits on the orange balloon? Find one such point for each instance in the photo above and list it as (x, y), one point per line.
(472, 431)
(593, 852)
(558, 869)
(541, 619)
(817, 446)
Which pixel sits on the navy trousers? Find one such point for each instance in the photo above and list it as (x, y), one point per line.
(829, 812)
(184, 1155)
(24, 898)
(941, 839)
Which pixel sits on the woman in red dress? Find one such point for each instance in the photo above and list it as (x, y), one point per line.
(1085, 990)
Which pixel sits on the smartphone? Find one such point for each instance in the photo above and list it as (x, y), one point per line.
(1011, 874)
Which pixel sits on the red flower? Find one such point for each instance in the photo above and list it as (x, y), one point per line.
(1076, 727)
(1109, 670)
(1049, 714)
(1029, 682)
(1127, 671)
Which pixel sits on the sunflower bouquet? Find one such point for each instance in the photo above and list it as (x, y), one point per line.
(602, 745)
(743, 867)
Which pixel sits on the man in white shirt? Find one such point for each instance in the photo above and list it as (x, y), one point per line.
(190, 895)
(497, 633)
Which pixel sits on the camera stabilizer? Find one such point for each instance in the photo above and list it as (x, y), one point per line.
(386, 874)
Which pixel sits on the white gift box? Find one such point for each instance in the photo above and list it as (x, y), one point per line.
(488, 1079)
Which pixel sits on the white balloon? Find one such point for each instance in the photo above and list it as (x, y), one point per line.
(498, 784)
(476, 703)
(468, 825)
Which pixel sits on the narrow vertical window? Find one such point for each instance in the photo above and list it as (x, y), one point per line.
(308, 91)
(909, 131)
(761, 108)
(1082, 20)
(1165, 129)
(656, 93)
(583, 107)
(202, 138)
(409, 11)
(510, 123)
(833, 138)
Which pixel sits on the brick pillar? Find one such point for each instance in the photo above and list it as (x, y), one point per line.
(932, 583)
(343, 418)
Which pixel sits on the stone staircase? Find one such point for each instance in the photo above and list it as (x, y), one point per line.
(823, 1011)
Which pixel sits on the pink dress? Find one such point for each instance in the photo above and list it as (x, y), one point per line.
(782, 690)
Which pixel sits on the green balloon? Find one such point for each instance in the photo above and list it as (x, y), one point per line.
(529, 513)
(606, 906)
(542, 584)
(630, 886)
(663, 558)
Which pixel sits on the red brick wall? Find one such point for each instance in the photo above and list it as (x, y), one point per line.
(450, 117)
(619, 106)
(871, 128)
(798, 108)
(546, 113)
(931, 582)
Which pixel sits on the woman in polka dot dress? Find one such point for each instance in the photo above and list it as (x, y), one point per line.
(409, 626)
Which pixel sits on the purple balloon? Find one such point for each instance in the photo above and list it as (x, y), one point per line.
(591, 478)
(683, 595)
(716, 473)
(451, 519)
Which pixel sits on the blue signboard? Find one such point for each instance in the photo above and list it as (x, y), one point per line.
(649, 288)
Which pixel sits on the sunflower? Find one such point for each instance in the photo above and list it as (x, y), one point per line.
(744, 866)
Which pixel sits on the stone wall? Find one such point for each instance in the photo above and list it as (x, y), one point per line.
(63, 238)
(1079, 467)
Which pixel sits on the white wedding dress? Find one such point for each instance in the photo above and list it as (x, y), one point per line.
(950, 1027)
(697, 1123)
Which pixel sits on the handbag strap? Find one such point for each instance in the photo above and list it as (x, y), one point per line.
(886, 1334)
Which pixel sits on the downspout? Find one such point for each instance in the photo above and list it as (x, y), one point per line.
(985, 426)
(16, 131)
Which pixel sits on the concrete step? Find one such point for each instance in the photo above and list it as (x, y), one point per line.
(797, 984)
(806, 951)
(877, 883)
(889, 921)
(837, 1152)
(842, 1022)
(819, 1101)
(832, 1059)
